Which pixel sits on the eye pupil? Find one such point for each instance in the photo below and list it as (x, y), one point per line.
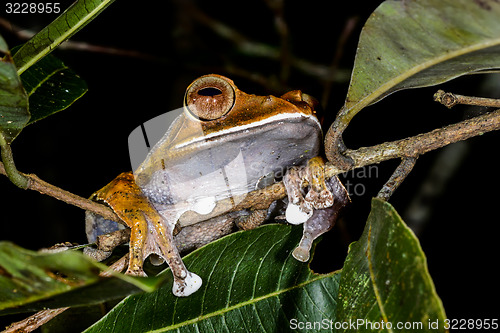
(209, 91)
(210, 97)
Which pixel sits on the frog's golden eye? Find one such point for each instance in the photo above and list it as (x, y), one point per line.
(209, 97)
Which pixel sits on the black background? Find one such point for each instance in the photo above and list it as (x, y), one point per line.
(84, 147)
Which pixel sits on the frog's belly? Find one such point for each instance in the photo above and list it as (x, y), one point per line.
(234, 166)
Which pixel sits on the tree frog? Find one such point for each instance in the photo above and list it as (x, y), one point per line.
(225, 144)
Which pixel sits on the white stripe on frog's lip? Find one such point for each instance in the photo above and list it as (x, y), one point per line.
(275, 118)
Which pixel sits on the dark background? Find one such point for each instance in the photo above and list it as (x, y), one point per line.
(164, 45)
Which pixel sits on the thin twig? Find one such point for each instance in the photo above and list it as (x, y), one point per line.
(277, 7)
(423, 143)
(450, 100)
(349, 26)
(9, 169)
(33, 322)
(25, 34)
(257, 49)
(399, 175)
(43, 187)
(36, 184)
(410, 148)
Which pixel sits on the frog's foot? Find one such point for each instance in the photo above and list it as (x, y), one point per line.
(298, 210)
(322, 220)
(319, 196)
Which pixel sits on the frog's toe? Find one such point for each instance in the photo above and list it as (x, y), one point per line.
(96, 254)
(187, 286)
(137, 271)
(156, 259)
(322, 220)
(320, 199)
(298, 214)
(301, 252)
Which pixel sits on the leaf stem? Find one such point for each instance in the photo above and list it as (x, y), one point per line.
(9, 168)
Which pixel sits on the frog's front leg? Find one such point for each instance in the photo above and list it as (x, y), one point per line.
(300, 208)
(150, 231)
(318, 209)
(185, 282)
(138, 232)
(322, 220)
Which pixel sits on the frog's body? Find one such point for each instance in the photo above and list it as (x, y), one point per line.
(224, 145)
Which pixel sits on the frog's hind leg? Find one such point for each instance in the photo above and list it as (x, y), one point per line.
(322, 220)
(252, 220)
(196, 235)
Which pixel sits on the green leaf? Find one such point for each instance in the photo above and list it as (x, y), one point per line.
(63, 27)
(51, 87)
(251, 283)
(14, 112)
(385, 277)
(31, 281)
(410, 44)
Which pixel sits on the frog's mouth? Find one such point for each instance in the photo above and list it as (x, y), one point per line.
(255, 128)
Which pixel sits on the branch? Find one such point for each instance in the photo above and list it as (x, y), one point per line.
(36, 184)
(257, 49)
(399, 175)
(261, 199)
(423, 143)
(35, 321)
(409, 147)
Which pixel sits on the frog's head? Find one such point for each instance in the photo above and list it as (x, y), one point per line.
(219, 123)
